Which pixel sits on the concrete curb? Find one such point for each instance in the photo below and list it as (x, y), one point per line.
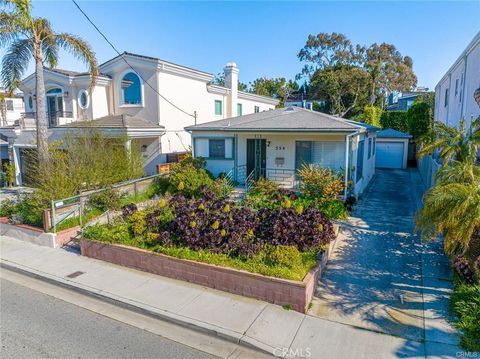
(137, 307)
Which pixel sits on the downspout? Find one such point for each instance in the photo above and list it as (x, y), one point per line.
(347, 152)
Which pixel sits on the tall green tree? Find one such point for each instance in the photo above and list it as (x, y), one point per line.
(278, 88)
(344, 86)
(389, 71)
(27, 37)
(219, 80)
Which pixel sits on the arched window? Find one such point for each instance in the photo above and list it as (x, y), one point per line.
(131, 89)
(83, 100)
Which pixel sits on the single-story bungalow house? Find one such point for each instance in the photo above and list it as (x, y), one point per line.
(274, 144)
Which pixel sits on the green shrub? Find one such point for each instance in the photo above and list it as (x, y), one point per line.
(105, 200)
(138, 222)
(395, 119)
(267, 194)
(30, 210)
(334, 210)
(10, 173)
(371, 115)
(322, 184)
(7, 208)
(188, 180)
(419, 120)
(160, 185)
(465, 304)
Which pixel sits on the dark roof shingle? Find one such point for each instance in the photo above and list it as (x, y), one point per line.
(284, 119)
(114, 121)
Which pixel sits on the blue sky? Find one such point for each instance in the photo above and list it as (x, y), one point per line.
(263, 38)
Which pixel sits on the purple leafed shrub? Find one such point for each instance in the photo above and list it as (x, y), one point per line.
(462, 267)
(128, 209)
(306, 231)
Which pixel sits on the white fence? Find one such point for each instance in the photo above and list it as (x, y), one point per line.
(428, 168)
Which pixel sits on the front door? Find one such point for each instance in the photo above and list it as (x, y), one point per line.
(52, 109)
(256, 157)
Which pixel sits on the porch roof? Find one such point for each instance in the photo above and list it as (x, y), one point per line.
(114, 121)
(289, 119)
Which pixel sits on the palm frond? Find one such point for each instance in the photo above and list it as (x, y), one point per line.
(15, 63)
(81, 50)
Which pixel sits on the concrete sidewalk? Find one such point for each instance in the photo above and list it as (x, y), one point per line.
(265, 326)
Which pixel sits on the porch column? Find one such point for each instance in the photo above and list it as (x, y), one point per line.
(16, 161)
(128, 147)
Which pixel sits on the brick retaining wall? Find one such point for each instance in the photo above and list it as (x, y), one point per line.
(279, 291)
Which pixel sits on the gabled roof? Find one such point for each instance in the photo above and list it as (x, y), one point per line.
(289, 119)
(391, 133)
(116, 121)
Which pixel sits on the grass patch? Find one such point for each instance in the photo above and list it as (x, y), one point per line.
(139, 197)
(119, 234)
(465, 304)
(75, 221)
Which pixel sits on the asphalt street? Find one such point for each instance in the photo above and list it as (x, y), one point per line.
(36, 325)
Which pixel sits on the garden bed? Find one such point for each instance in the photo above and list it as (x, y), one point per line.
(285, 292)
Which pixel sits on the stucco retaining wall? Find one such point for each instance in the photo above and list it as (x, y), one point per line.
(36, 235)
(279, 291)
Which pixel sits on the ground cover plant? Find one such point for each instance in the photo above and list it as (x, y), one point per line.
(281, 242)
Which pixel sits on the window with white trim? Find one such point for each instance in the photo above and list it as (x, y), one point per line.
(83, 99)
(218, 107)
(9, 105)
(325, 154)
(131, 89)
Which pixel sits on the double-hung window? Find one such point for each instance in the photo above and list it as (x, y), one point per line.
(256, 109)
(218, 107)
(239, 109)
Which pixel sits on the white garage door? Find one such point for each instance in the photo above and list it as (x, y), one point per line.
(389, 155)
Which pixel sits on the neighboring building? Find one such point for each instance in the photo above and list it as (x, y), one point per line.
(276, 143)
(300, 99)
(457, 94)
(152, 113)
(11, 108)
(403, 101)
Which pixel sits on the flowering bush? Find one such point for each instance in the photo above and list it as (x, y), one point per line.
(322, 184)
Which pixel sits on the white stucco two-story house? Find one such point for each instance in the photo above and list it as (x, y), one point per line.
(457, 94)
(148, 99)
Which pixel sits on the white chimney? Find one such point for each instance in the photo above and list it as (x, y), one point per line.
(231, 82)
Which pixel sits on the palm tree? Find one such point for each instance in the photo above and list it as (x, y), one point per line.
(454, 143)
(26, 37)
(452, 207)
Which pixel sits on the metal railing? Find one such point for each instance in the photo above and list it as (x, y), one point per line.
(56, 114)
(228, 181)
(78, 206)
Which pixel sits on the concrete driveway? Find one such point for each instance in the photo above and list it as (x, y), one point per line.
(381, 276)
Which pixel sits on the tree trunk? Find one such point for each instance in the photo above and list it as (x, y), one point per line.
(41, 113)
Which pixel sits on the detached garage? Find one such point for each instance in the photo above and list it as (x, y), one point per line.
(392, 149)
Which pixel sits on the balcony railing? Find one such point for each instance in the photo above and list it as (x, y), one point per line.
(56, 114)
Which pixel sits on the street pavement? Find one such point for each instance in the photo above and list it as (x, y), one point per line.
(35, 325)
